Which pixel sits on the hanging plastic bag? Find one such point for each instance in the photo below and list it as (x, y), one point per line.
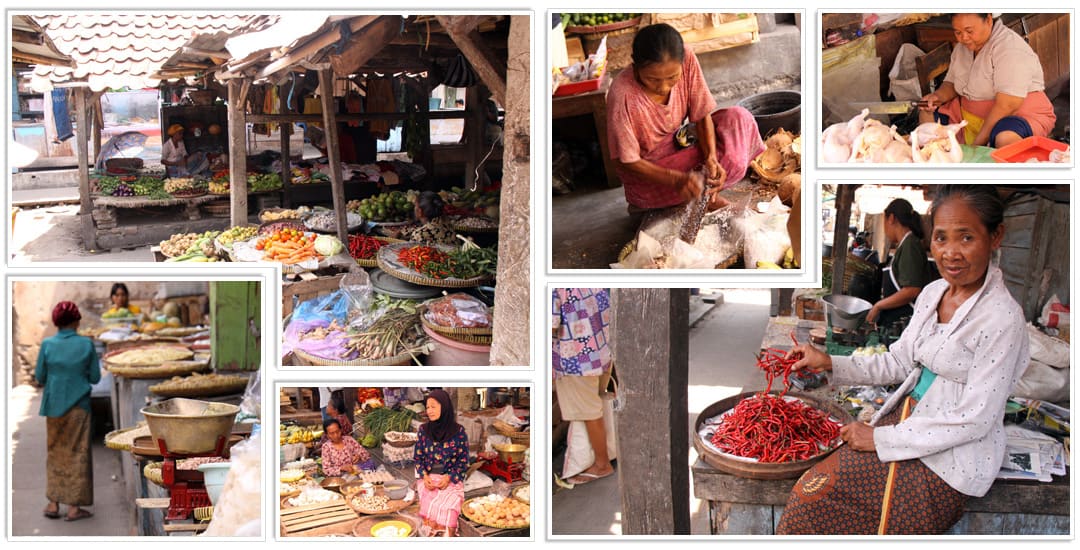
(904, 77)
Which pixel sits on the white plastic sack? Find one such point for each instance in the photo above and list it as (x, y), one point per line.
(579, 452)
(240, 503)
(1047, 349)
(1043, 383)
(765, 236)
(904, 77)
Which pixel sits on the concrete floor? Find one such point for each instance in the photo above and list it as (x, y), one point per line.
(721, 346)
(111, 510)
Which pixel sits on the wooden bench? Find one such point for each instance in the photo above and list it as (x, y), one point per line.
(740, 506)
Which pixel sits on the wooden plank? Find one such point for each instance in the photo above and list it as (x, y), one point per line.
(362, 47)
(185, 527)
(152, 503)
(337, 186)
(319, 506)
(295, 521)
(651, 333)
(284, 133)
(845, 194)
(237, 155)
(741, 519)
(312, 47)
(82, 124)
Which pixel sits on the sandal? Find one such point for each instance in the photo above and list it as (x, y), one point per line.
(55, 514)
(81, 514)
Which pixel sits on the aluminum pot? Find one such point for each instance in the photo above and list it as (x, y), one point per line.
(189, 426)
(846, 312)
(511, 452)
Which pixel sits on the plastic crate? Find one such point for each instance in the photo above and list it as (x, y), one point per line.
(581, 87)
(1034, 147)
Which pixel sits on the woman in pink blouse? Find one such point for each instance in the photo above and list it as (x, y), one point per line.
(341, 454)
(646, 106)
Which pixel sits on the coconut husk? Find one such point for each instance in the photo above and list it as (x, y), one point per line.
(781, 157)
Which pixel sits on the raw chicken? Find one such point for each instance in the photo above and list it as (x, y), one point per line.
(934, 143)
(879, 143)
(837, 139)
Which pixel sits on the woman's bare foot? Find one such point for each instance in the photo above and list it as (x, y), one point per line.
(52, 510)
(592, 473)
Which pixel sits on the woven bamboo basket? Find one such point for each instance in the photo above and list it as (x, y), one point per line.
(218, 209)
(223, 385)
(110, 364)
(204, 513)
(374, 262)
(481, 336)
(400, 439)
(516, 437)
(387, 262)
(121, 440)
(152, 473)
(308, 360)
(164, 370)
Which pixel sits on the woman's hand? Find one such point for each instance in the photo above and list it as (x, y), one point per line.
(859, 435)
(444, 482)
(691, 185)
(810, 358)
(873, 314)
(714, 173)
(429, 484)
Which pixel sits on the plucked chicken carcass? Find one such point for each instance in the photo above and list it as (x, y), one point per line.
(934, 143)
(836, 140)
(878, 143)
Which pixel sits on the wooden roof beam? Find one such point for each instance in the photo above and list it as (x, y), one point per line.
(313, 46)
(364, 47)
(462, 30)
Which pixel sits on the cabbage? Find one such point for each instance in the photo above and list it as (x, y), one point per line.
(326, 245)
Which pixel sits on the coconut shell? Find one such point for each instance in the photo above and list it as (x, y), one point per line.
(788, 186)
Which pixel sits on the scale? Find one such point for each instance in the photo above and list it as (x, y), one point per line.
(187, 488)
(507, 470)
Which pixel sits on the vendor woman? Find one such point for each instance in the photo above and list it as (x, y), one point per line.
(995, 82)
(939, 439)
(441, 457)
(908, 270)
(174, 156)
(119, 297)
(648, 103)
(433, 227)
(341, 454)
(67, 366)
(335, 409)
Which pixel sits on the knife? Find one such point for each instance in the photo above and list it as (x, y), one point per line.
(889, 107)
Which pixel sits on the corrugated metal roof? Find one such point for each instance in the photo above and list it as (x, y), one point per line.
(112, 50)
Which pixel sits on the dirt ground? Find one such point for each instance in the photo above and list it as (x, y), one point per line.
(51, 234)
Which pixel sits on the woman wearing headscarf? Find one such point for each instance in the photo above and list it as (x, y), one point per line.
(648, 102)
(938, 440)
(442, 458)
(67, 366)
(908, 270)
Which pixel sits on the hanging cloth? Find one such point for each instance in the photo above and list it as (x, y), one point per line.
(380, 99)
(460, 73)
(61, 115)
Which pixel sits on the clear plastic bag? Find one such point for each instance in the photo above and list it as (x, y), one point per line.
(357, 287)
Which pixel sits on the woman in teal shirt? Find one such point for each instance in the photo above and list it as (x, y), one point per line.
(67, 366)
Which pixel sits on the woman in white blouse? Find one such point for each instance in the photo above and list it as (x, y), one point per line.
(939, 439)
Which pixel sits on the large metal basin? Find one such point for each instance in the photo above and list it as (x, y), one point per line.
(190, 426)
(846, 312)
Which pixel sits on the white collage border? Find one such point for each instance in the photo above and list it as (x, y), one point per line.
(542, 277)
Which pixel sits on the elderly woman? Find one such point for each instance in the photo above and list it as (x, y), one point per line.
(433, 227)
(442, 458)
(908, 270)
(995, 82)
(335, 409)
(341, 454)
(938, 440)
(67, 366)
(646, 106)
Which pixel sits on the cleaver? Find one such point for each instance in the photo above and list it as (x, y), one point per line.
(889, 107)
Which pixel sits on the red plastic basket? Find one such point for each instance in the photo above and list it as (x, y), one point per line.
(581, 87)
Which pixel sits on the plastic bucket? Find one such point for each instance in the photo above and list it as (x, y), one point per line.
(449, 352)
(434, 103)
(775, 110)
(214, 476)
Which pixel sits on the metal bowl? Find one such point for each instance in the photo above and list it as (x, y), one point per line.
(846, 312)
(190, 426)
(511, 452)
(396, 489)
(333, 483)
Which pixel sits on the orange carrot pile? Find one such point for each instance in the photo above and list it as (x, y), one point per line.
(288, 246)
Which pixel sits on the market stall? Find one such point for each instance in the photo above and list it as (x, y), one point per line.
(172, 371)
(878, 69)
(379, 498)
(706, 232)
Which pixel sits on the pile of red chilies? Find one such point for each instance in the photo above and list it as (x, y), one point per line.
(771, 428)
(363, 247)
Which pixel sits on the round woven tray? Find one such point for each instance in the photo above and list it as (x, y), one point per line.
(468, 335)
(374, 262)
(269, 227)
(760, 470)
(465, 511)
(608, 29)
(189, 195)
(309, 360)
(727, 263)
(218, 209)
(391, 507)
(456, 225)
(109, 364)
(276, 210)
(164, 370)
(122, 439)
(222, 386)
(389, 263)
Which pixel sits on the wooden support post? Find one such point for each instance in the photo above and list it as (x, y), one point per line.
(845, 194)
(462, 30)
(337, 187)
(82, 137)
(238, 189)
(98, 124)
(652, 341)
(284, 134)
(508, 346)
(474, 132)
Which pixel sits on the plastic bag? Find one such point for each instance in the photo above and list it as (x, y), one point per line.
(326, 308)
(458, 310)
(904, 77)
(251, 404)
(1047, 349)
(765, 235)
(356, 286)
(239, 508)
(1043, 382)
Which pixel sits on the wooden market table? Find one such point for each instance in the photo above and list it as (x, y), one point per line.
(115, 226)
(741, 506)
(590, 103)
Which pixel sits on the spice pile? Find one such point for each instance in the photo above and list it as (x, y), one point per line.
(467, 263)
(362, 247)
